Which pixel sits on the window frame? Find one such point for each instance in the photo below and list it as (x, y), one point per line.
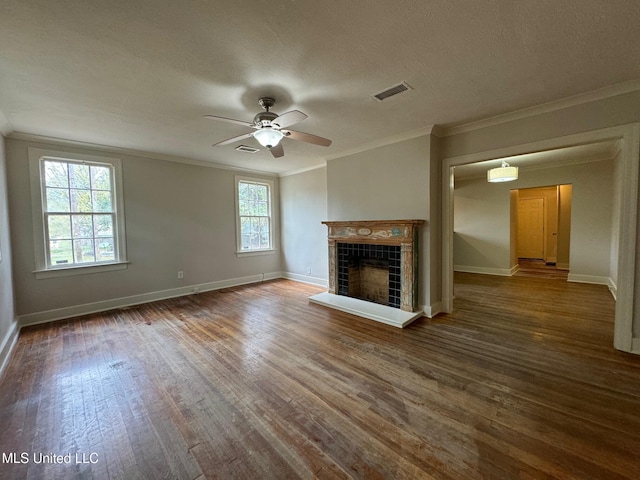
(270, 191)
(43, 268)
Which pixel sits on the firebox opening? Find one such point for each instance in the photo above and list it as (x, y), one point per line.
(369, 279)
(370, 272)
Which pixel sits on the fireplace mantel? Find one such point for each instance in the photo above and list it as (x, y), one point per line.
(401, 233)
(382, 232)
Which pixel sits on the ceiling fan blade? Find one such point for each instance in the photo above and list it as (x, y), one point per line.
(289, 118)
(277, 151)
(307, 137)
(229, 120)
(233, 139)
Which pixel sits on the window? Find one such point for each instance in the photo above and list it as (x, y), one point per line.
(77, 213)
(253, 200)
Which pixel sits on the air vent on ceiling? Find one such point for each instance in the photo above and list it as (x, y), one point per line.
(391, 91)
(247, 149)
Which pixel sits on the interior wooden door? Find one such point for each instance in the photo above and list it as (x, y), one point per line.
(531, 228)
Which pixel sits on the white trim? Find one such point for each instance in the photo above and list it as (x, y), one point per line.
(37, 210)
(80, 270)
(122, 302)
(254, 253)
(270, 184)
(432, 310)
(8, 344)
(575, 100)
(303, 170)
(635, 345)
(502, 272)
(594, 280)
(630, 152)
(432, 129)
(133, 153)
(5, 125)
(320, 282)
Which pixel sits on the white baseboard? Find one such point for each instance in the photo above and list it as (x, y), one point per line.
(320, 282)
(597, 280)
(594, 279)
(635, 345)
(432, 310)
(7, 345)
(88, 308)
(503, 272)
(613, 289)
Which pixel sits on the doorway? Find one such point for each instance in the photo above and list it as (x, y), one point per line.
(543, 227)
(625, 215)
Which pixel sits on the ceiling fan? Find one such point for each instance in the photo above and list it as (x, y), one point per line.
(271, 128)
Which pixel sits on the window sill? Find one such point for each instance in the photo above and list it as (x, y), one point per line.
(80, 270)
(253, 253)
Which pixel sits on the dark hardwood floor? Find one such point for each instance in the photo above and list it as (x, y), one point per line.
(254, 382)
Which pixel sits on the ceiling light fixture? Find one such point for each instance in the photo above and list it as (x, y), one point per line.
(268, 137)
(505, 173)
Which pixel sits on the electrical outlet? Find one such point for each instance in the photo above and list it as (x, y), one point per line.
(308, 269)
(180, 274)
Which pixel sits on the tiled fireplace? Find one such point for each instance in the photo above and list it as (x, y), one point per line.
(373, 268)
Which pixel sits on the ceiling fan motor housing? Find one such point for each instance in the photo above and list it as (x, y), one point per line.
(264, 119)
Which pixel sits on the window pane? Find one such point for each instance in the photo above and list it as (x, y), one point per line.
(243, 191)
(82, 226)
(264, 232)
(81, 201)
(79, 176)
(55, 174)
(60, 252)
(100, 178)
(57, 200)
(255, 233)
(262, 209)
(105, 250)
(83, 250)
(244, 207)
(245, 233)
(261, 193)
(59, 227)
(103, 225)
(102, 201)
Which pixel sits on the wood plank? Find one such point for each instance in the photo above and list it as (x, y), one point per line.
(520, 381)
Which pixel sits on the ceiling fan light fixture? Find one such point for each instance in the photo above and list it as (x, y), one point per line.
(268, 137)
(504, 173)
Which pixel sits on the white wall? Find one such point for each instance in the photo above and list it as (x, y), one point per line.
(178, 217)
(482, 218)
(8, 330)
(390, 182)
(482, 227)
(303, 206)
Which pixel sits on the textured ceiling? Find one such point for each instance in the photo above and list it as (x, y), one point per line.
(141, 74)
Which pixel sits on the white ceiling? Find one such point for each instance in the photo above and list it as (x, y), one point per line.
(141, 74)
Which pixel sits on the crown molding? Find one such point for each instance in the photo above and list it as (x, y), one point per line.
(303, 170)
(5, 126)
(575, 100)
(431, 129)
(132, 152)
